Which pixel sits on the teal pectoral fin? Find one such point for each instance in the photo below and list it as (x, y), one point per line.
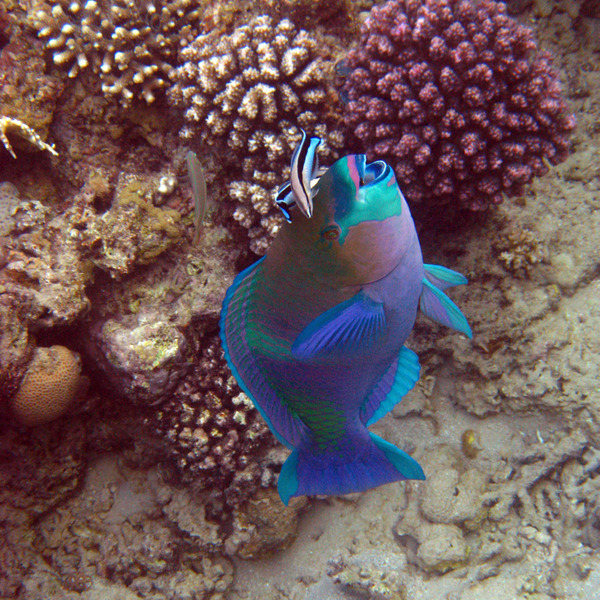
(399, 379)
(442, 277)
(437, 306)
(351, 325)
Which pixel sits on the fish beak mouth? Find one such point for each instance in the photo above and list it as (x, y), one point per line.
(374, 172)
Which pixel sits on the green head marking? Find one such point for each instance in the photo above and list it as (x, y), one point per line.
(360, 192)
(359, 227)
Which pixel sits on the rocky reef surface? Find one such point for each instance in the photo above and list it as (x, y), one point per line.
(148, 474)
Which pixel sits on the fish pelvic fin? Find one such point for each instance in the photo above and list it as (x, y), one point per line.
(375, 463)
(436, 305)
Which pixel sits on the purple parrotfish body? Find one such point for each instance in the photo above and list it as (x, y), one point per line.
(314, 332)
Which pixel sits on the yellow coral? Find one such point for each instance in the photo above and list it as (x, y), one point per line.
(51, 384)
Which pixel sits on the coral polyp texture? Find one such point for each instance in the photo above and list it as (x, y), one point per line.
(213, 433)
(131, 46)
(247, 93)
(52, 383)
(457, 96)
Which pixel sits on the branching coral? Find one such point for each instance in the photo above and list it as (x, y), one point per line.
(212, 431)
(249, 92)
(457, 97)
(131, 46)
(22, 130)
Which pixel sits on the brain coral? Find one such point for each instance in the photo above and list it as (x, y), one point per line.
(51, 384)
(456, 96)
(248, 93)
(130, 45)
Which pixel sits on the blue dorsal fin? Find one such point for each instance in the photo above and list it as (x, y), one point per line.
(442, 277)
(437, 306)
(397, 381)
(243, 362)
(355, 323)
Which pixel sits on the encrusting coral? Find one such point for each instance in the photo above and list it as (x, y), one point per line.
(131, 46)
(247, 93)
(52, 383)
(457, 97)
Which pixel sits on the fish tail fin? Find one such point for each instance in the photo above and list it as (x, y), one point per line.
(375, 463)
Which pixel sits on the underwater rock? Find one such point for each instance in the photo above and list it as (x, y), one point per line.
(9, 199)
(141, 355)
(262, 525)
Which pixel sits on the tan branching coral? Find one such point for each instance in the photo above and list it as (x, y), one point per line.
(250, 92)
(22, 130)
(520, 250)
(130, 45)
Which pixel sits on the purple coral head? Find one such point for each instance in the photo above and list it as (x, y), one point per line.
(457, 98)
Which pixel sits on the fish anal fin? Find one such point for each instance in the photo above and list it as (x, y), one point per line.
(397, 381)
(403, 462)
(352, 325)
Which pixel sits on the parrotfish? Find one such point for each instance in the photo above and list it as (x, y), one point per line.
(314, 332)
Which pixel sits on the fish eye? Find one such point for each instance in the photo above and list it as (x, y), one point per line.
(331, 233)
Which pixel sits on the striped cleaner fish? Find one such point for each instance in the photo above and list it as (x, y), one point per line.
(314, 331)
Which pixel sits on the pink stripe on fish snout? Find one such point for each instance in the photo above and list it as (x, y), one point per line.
(353, 171)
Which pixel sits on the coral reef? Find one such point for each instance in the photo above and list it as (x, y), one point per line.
(247, 94)
(213, 434)
(457, 97)
(52, 383)
(131, 47)
(28, 97)
(16, 127)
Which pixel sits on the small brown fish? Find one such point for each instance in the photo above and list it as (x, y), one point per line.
(198, 183)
